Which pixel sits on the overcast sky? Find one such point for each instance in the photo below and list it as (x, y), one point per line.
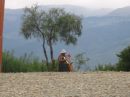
(13, 4)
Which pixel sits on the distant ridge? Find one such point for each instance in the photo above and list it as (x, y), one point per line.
(103, 36)
(86, 12)
(78, 10)
(125, 11)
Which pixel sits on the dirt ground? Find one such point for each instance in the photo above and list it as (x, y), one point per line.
(52, 84)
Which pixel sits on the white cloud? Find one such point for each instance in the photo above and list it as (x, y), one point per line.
(85, 3)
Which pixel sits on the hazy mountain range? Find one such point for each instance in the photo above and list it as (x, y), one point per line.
(125, 11)
(105, 33)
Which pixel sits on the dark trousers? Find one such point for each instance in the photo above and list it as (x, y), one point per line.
(63, 68)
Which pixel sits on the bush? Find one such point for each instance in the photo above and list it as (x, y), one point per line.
(26, 63)
(124, 60)
(122, 65)
(80, 60)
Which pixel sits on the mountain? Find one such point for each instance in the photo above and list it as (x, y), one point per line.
(102, 36)
(79, 10)
(125, 11)
(86, 12)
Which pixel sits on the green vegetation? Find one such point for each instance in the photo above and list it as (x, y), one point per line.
(122, 65)
(124, 60)
(50, 27)
(26, 63)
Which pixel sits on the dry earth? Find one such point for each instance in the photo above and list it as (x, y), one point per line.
(88, 84)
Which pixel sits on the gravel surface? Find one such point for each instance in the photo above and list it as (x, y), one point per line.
(88, 84)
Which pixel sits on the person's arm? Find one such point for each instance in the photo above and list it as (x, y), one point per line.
(68, 58)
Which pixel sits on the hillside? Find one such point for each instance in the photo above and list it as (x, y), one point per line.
(102, 37)
(87, 84)
(125, 11)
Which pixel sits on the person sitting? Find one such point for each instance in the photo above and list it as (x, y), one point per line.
(64, 61)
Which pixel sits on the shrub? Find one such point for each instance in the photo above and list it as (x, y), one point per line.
(124, 60)
(26, 63)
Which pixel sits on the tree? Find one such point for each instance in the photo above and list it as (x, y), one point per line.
(80, 59)
(124, 60)
(51, 26)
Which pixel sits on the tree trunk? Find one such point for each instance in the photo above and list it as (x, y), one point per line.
(51, 53)
(45, 54)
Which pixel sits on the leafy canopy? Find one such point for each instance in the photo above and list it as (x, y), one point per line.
(124, 60)
(54, 25)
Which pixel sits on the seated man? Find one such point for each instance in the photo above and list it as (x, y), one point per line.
(64, 62)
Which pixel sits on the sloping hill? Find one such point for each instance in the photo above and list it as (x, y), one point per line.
(102, 37)
(125, 11)
(105, 37)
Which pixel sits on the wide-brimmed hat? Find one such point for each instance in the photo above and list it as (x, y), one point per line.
(63, 51)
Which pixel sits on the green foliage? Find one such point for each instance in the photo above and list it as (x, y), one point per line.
(122, 65)
(50, 27)
(106, 67)
(70, 28)
(26, 63)
(124, 60)
(53, 67)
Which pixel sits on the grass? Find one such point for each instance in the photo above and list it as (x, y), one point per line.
(26, 63)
